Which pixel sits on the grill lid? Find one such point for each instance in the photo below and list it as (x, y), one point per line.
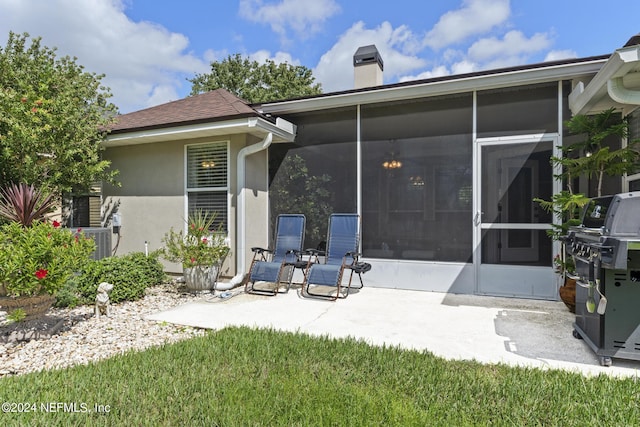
(615, 216)
(610, 228)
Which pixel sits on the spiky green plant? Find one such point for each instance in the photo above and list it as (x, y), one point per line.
(24, 204)
(199, 246)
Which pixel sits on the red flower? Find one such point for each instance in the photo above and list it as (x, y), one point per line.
(205, 240)
(193, 260)
(41, 274)
(55, 224)
(79, 230)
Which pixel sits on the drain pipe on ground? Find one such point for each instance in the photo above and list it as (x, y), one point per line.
(240, 216)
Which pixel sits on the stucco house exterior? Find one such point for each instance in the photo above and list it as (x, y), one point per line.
(204, 152)
(442, 171)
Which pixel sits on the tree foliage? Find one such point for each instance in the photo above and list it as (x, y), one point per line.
(591, 157)
(53, 115)
(255, 82)
(294, 189)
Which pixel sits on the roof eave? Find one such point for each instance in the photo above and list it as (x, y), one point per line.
(175, 124)
(436, 87)
(282, 131)
(594, 97)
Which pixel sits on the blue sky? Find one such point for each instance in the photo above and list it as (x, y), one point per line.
(148, 48)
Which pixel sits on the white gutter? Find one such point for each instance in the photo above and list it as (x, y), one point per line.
(284, 131)
(256, 126)
(240, 216)
(621, 94)
(585, 99)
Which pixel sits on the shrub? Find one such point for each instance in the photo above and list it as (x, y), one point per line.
(199, 246)
(130, 275)
(68, 295)
(41, 258)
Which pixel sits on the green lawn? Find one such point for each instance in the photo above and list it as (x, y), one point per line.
(244, 377)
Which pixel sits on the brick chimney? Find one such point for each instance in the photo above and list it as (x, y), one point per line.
(367, 67)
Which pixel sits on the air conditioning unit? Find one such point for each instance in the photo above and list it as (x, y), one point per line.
(102, 237)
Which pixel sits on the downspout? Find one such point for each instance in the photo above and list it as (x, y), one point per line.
(240, 216)
(621, 94)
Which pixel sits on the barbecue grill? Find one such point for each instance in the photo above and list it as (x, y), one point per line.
(606, 252)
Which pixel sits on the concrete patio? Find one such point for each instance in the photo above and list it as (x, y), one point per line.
(512, 331)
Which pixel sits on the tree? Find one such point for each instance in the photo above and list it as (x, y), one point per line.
(294, 189)
(255, 82)
(590, 157)
(53, 116)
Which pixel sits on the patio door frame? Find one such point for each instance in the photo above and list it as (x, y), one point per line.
(510, 272)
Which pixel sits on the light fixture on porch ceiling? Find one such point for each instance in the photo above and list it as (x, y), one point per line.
(416, 182)
(392, 163)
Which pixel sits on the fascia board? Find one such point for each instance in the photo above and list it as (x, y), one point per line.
(252, 125)
(582, 99)
(282, 130)
(484, 82)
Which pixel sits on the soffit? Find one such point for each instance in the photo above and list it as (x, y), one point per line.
(593, 97)
(257, 127)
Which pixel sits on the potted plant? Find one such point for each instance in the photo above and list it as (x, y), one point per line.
(589, 158)
(37, 256)
(200, 250)
(566, 206)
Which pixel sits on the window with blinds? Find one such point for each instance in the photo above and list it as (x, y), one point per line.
(207, 180)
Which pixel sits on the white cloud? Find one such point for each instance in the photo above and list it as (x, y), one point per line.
(160, 94)
(402, 57)
(438, 71)
(211, 55)
(304, 17)
(556, 55)
(473, 18)
(461, 67)
(145, 64)
(335, 68)
(464, 67)
(514, 43)
(280, 57)
(514, 48)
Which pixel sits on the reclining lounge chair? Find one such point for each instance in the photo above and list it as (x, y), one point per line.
(342, 254)
(275, 267)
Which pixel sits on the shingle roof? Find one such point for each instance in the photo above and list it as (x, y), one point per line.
(216, 105)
